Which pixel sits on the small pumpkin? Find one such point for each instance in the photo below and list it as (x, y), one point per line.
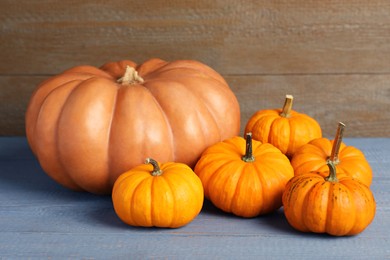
(244, 176)
(87, 125)
(161, 195)
(336, 206)
(284, 128)
(349, 160)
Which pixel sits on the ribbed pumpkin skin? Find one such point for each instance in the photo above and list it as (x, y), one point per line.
(170, 200)
(287, 134)
(312, 204)
(313, 157)
(246, 189)
(85, 128)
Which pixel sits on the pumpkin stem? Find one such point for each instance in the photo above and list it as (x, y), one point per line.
(287, 106)
(334, 156)
(156, 169)
(332, 172)
(130, 77)
(248, 157)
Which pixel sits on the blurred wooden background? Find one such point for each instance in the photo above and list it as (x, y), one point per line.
(333, 56)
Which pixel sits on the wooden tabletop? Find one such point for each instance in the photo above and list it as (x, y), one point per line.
(40, 219)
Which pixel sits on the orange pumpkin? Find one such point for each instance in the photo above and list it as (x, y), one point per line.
(161, 195)
(87, 125)
(244, 177)
(336, 206)
(348, 160)
(284, 128)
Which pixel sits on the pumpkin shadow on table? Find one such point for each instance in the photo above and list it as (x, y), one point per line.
(27, 180)
(275, 220)
(102, 214)
(278, 222)
(272, 222)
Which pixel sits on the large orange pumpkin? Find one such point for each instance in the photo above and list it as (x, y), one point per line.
(87, 125)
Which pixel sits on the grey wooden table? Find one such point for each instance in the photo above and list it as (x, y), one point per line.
(40, 219)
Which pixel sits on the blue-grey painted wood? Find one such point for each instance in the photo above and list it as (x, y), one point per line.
(40, 219)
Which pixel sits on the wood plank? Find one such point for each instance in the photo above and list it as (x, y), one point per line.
(360, 101)
(15, 92)
(41, 219)
(234, 37)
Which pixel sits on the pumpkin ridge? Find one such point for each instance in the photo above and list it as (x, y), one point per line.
(203, 99)
(150, 66)
(295, 127)
(172, 139)
(82, 183)
(120, 187)
(291, 186)
(317, 148)
(310, 166)
(185, 179)
(328, 224)
(76, 83)
(349, 151)
(307, 155)
(212, 116)
(134, 203)
(237, 189)
(301, 123)
(260, 178)
(366, 198)
(39, 105)
(303, 193)
(306, 218)
(283, 134)
(202, 168)
(58, 151)
(262, 124)
(109, 138)
(267, 175)
(47, 96)
(152, 198)
(227, 179)
(225, 172)
(64, 78)
(352, 201)
(231, 148)
(214, 174)
(171, 190)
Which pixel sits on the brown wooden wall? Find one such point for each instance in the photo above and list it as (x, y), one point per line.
(333, 56)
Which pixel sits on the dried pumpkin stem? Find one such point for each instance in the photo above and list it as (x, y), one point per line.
(248, 157)
(156, 169)
(334, 156)
(287, 106)
(130, 77)
(332, 172)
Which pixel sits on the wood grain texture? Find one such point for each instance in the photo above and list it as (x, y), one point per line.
(360, 101)
(40, 219)
(244, 37)
(246, 41)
